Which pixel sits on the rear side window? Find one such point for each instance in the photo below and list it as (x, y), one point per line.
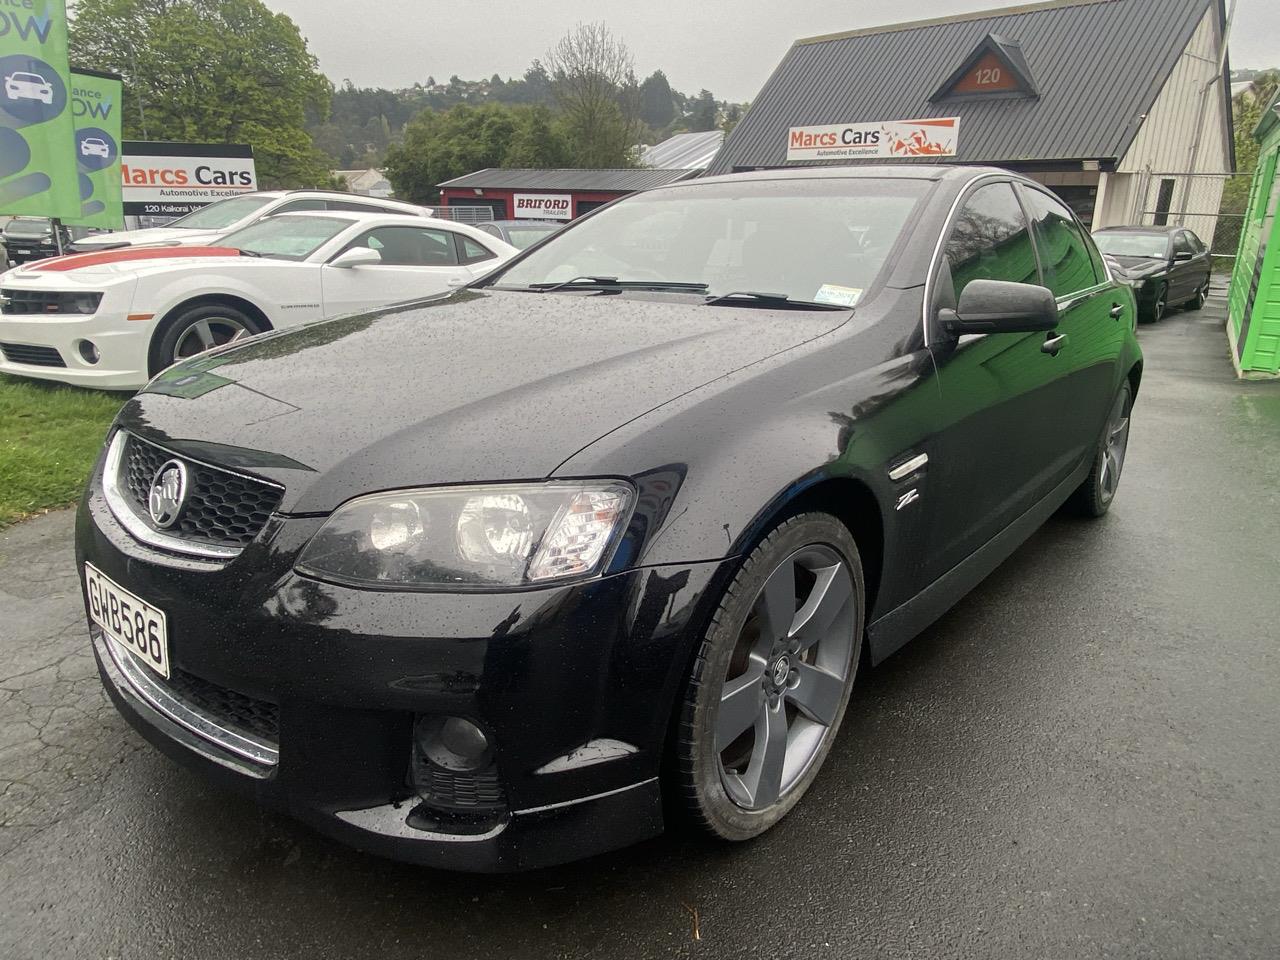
(294, 205)
(1065, 256)
(473, 252)
(361, 207)
(989, 240)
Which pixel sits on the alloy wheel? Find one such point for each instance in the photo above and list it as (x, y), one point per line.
(1114, 446)
(207, 333)
(1157, 311)
(786, 679)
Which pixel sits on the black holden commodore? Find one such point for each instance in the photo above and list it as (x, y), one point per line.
(1166, 266)
(599, 543)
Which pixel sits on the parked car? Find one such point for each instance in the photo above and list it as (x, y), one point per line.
(28, 238)
(475, 581)
(116, 318)
(1166, 266)
(520, 233)
(235, 213)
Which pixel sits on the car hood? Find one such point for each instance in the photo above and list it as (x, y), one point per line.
(480, 385)
(128, 262)
(102, 241)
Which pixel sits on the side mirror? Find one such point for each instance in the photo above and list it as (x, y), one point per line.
(1001, 306)
(356, 257)
(1182, 256)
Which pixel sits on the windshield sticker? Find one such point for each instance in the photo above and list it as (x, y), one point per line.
(840, 296)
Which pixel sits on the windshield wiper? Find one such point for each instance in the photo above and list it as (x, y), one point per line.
(770, 299)
(613, 283)
(249, 253)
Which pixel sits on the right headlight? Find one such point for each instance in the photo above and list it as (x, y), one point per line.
(472, 537)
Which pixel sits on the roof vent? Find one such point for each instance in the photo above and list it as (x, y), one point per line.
(997, 67)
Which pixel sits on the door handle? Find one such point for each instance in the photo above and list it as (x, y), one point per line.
(1054, 343)
(1117, 311)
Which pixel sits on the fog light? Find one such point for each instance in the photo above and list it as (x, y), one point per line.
(88, 351)
(452, 743)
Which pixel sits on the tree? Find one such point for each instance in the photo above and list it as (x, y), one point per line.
(440, 146)
(1247, 107)
(704, 113)
(657, 106)
(594, 83)
(222, 71)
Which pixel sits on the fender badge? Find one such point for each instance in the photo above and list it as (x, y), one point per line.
(908, 498)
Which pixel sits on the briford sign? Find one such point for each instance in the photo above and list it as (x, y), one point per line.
(543, 206)
(933, 137)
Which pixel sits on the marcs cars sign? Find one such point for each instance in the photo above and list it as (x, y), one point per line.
(932, 137)
(543, 206)
(170, 179)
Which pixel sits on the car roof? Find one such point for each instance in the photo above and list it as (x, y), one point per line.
(878, 171)
(521, 223)
(367, 216)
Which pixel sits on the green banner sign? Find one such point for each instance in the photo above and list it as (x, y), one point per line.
(95, 105)
(37, 167)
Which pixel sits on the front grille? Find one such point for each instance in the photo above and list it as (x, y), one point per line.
(31, 355)
(19, 301)
(222, 508)
(240, 713)
(476, 791)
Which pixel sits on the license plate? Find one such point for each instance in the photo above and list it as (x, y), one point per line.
(129, 622)
(23, 251)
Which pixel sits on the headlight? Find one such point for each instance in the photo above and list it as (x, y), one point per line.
(504, 535)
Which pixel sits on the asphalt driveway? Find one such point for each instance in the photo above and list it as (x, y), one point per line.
(1080, 760)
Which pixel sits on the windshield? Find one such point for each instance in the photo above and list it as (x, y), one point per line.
(1153, 246)
(521, 237)
(814, 241)
(28, 227)
(221, 213)
(287, 237)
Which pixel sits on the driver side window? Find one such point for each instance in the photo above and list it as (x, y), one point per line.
(990, 240)
(411, 246)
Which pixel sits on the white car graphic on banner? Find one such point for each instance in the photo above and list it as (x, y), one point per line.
(94, 147)
(113, 319)
(28, 86)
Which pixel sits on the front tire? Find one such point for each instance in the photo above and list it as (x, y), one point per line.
(198, 329)
(772, 679)
(1093, 498)
(1159, 305)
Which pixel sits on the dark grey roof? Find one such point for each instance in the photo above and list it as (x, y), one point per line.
(621, 181)
(684, 151)
(1098, 67)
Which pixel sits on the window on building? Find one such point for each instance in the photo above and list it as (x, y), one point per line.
(1164, 202)
(1066, 262)
(989, 240)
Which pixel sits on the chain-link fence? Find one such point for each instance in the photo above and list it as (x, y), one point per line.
(1212, 205)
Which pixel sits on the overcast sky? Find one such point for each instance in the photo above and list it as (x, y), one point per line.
(727, 46)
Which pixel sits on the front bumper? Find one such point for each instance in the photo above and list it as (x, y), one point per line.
(574, 685)
(122, 346)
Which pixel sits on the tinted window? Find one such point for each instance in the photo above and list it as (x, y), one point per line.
(294, 205)
(1197, 245)
(411, 246)
(1065, 260)
(489, 228)
(989, 240)
(473, 252)
(1181, 244)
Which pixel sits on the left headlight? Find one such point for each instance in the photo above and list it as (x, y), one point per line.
(476, 537)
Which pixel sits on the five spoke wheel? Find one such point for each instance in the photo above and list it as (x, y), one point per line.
(1114, 446)
(786, 679)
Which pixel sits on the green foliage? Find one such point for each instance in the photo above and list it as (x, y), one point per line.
(212, 70)
(657, 104)
(440, 146)
(1247, 109)
(705, 112)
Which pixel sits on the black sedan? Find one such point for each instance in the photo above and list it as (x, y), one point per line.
(1166, 266)
(514, 575)
(520, 233)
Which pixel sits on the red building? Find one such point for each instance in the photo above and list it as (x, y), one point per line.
(549, 194)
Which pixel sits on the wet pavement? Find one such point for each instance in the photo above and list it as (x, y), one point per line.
(1079, 760)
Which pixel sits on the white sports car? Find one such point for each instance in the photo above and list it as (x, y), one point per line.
(114, 319)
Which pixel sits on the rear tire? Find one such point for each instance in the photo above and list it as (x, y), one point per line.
(771, 680)
(198, 329)
(1093, 498)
